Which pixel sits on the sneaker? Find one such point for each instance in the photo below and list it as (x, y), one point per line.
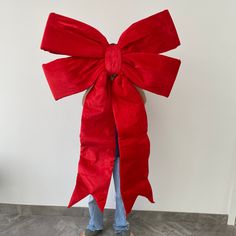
(125, 233)
(88, 232)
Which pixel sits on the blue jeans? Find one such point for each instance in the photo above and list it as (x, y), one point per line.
(96, 216)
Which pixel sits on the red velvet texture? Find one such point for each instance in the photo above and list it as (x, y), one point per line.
(112, 70)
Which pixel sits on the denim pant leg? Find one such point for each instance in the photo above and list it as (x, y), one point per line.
(120, 223)
(96, 216)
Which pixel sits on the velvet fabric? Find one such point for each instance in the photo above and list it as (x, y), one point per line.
(112, 69)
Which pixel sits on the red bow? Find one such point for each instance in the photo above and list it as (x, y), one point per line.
(113, 101)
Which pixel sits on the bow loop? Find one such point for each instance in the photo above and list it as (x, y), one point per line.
(152, 72)
(67, 76)
(64, 35)
(154, 34)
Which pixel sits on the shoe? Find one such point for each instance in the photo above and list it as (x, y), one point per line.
(88, 232)
(125, 233)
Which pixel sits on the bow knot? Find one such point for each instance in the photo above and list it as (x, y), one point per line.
(113, 60)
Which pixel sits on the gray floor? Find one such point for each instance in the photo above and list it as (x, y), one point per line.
(18, 220)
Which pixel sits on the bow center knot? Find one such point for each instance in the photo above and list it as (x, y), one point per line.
(113, 60)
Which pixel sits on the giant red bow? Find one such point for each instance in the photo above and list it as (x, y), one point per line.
(113, 101)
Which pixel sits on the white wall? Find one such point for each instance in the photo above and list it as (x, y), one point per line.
(192, 132)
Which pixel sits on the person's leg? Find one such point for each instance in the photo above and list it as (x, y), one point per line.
(96, 216)
(120, 222)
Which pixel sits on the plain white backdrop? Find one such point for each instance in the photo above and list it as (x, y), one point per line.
(192, 133)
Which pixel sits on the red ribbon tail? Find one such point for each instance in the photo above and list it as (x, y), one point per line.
(97, 149)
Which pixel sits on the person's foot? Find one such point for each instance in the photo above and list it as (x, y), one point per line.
(88, 232)
(125, 233)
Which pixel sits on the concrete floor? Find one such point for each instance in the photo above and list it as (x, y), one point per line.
(49, 221)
